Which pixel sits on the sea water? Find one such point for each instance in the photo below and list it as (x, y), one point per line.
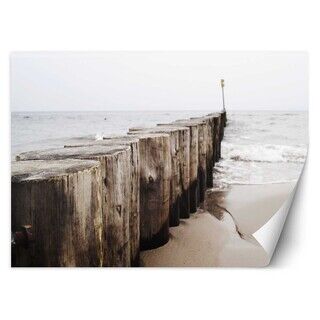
(258, 147)
(262, 147)
(41, 130)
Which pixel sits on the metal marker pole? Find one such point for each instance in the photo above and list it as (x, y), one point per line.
(222, 88)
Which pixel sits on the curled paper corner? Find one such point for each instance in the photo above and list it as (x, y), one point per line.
(268, 235)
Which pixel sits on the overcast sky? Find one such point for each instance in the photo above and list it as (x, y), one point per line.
(62, 81)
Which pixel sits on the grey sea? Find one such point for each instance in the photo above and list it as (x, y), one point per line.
(258, 147)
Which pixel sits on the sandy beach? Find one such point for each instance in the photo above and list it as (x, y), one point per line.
(253, 205)
(210, 238)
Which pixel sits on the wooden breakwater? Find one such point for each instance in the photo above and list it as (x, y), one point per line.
(98, 203)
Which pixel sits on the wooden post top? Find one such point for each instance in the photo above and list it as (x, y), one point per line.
(199, 120)
(141, 135)
(108, 141)
(183, 123)
(46, 169)
(121, 138)
(158, 129)
(81, 152)
(189, 122)
(214, 114)
(202, 118)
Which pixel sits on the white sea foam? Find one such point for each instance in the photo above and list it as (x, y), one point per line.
(243, 172)
(264, 152)
(98, 136)
(261, 148)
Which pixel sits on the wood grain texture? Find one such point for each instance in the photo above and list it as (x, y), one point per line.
(134, 210)
(224, 118)
(61, 200)
(209, 138)
(115, 185)
(192, 190)
(202, 157)
(155, 175)
(175, 180)
(202, 153)
(217, 135)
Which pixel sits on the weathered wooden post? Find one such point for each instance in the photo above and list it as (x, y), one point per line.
(202, 156)
(184, 168)
(61, 201)
(155, 175)
(224, 118)
(176, 186)
(222, 125)
(193, 189)
(209, 148)
(134, 211)
(115, 184)
(202, 168)
(218, 134)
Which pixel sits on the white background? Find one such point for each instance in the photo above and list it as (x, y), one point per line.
(289, 287)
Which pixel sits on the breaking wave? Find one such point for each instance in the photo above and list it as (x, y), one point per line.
(264, 153)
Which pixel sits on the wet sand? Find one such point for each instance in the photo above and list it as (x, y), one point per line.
(253, 205)
(210, 237)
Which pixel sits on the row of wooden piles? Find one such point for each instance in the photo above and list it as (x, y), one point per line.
(98, 203)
